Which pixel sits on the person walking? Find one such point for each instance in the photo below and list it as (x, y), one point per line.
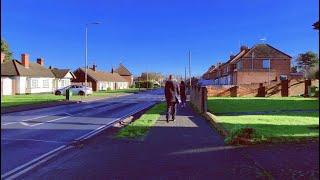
(183, 95)
(171, 91)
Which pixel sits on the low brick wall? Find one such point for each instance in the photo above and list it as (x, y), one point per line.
(294, 87)
(198, 98)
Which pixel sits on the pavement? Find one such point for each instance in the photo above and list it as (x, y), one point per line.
(27, 136)
(187, 148)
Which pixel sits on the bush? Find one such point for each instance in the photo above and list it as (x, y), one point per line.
(108, 89)
(144, 84)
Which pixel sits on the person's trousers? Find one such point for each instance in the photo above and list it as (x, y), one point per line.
(171, 109)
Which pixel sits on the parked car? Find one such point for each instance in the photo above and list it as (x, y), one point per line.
(75, 89)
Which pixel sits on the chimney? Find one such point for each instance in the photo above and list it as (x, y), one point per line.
(243, 48)
(112, 70)
(232, 56)
(40, 61)
(50, 67)
(25, 60)
(94, 67)
(3, 55)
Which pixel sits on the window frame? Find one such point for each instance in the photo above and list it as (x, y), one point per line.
(268, 65)
(45, 83)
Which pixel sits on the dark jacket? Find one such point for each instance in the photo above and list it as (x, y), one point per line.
(171, 91)
(183, 92)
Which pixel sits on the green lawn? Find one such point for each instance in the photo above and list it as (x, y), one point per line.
(268, 127)
(141, 126)
(25, 99)
(280, 126)
(239, 104)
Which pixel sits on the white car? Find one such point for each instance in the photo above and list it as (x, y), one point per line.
(75, 89)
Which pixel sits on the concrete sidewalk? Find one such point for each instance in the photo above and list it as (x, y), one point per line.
(187, 148)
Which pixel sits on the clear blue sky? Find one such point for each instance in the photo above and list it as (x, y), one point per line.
(155, 35)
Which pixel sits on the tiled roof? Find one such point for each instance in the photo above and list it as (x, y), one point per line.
(104, 76)
(60, 73)
(123, 71)
(8, 69)
(15, 68)
(265, 51)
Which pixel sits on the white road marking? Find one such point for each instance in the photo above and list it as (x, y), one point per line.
(4, 124)
(37, 140)
(49, 121)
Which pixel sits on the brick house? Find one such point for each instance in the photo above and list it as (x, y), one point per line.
(100, 80)
(124, 73)
(259, 64)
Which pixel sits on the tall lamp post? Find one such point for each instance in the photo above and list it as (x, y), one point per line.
(86, 54)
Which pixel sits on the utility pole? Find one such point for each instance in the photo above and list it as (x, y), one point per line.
(190, 68)
(185, 74)
(147, 80)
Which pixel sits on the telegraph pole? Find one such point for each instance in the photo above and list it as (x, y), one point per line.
(185, 74)
(190, 68)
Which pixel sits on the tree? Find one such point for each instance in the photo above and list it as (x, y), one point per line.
(5, 49)
(307, 62)
(294, 69)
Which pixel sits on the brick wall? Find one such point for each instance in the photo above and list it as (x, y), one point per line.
(198, 98)
(295, 88)
(249, 77)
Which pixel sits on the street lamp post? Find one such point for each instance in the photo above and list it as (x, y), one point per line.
(86, 53)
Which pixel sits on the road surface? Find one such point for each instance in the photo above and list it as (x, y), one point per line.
(28, 135)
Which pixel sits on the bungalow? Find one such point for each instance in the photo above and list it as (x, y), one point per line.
(259, 64)
(26, 77)
(62, 77)
(124, 72)
(100, 80)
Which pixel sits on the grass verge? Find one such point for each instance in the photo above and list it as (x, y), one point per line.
(27, 99)
(141, 126)
(253, 104)
(275, 127)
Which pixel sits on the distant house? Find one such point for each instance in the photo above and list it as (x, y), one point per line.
(259, 64)
(25, 77)
(62, 77)
(100, 80)
(124, 72)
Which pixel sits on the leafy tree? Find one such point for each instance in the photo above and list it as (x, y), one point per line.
(5, 49)
(294, 69)
(307, 62)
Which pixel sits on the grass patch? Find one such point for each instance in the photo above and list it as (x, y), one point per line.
(26, 99)
(243, 104)
(282, 126)
(278, 126)
(141, 126)
(16, 100)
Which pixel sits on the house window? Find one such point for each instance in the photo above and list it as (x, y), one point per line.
(34, 83)
(63, 83)
(239, 65)
(227, 68)
(266, 64)
(46, 83)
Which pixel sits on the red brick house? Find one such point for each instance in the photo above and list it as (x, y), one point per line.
(100, 80)
(124, 73)
(259, 64)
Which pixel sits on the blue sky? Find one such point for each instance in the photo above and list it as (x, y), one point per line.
(155, 35)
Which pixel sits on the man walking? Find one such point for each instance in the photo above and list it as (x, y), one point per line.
(171, 91)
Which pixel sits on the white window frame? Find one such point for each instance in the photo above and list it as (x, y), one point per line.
(239, 65)
(45, 83)
(34, 83)
(266, 63)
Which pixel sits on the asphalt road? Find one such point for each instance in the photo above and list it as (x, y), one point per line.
(28, 135)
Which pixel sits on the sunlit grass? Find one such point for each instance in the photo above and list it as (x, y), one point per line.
(252, 104)
(141, 126)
